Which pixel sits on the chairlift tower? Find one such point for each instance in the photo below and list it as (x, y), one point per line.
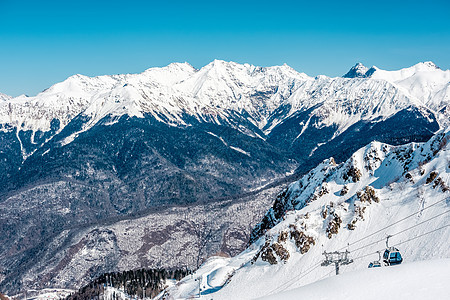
(199, 280)
(337, 258)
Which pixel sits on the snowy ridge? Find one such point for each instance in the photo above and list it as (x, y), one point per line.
(4, 97)
(403, 191)
(424, 81)
(159, 91)
(343, 102)
(220, 88)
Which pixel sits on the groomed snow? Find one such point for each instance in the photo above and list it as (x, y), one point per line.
(412, 281)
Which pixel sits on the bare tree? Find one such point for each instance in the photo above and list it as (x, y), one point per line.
(203, 232)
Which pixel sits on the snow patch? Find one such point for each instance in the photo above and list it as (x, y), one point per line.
(240, 150)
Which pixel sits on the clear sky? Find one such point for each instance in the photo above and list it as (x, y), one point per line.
(44, 42)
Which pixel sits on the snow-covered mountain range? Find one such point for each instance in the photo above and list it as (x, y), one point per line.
(91, 151)
(380, 190)
(219, 88)
(260, 102)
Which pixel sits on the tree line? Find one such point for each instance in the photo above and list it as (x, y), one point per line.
(136, 283)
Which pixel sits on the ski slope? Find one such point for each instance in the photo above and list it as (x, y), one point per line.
(413, 281)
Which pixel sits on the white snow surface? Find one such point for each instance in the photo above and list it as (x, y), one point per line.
(4, 97)
(221, 88)
(413, 281)
(423, 81)
(412, 186)
(112, 293)
(44, 294)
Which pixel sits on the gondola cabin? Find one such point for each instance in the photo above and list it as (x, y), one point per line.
(374, 264)
(392, 257)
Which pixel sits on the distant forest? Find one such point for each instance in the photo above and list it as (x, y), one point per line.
(135, 283)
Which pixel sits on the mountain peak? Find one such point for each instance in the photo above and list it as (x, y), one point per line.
(172, 67)
(218, 63)
(427, 65)
(181, 66)
(357, 71)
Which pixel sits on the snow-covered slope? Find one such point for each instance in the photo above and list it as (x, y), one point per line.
(424, 81)
(4, 97)
(342, 102)
(44, 294)
(381, 190)
(220, 87)
(413, 281)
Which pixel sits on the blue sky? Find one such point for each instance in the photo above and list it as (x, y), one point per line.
(44, 42)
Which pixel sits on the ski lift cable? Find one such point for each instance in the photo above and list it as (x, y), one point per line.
(401, 220)
(303, 275)
(291, 281)
(368, 254)
(402, 242)
(326, 275)
(404, 230)
(421, 235)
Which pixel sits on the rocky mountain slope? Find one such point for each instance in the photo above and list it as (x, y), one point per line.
(381, 190)
(90, 151)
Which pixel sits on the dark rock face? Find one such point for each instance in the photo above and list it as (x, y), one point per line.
(10, 155)
(359, 71)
